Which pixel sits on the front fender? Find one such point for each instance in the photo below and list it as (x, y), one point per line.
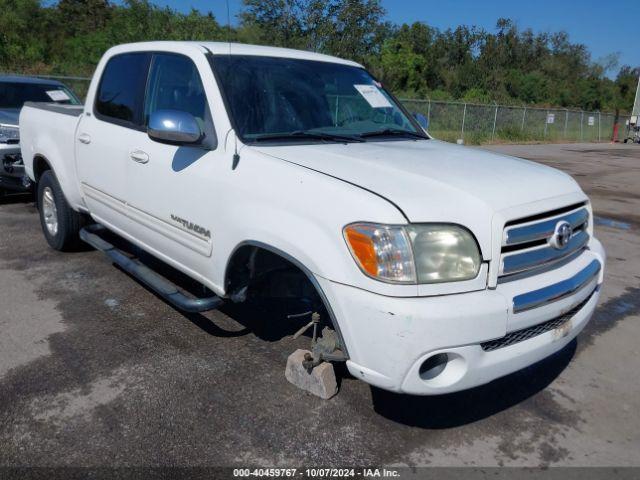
(302, 213)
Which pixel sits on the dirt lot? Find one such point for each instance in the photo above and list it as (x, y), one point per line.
(96, 370)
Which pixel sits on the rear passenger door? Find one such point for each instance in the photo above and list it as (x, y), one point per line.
(171, 191)
(106, 134)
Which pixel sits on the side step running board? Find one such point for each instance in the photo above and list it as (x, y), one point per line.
(159, 284)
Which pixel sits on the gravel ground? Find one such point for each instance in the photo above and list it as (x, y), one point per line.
(97, 370)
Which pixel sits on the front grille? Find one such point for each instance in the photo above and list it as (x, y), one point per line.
(527, 246)
(526, 333)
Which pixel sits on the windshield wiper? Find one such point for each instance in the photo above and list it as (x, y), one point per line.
(306, 134)
(387, 132)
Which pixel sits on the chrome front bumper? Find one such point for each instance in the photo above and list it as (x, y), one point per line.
(557, 291)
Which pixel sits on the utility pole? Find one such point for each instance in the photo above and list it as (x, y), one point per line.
(495, 118)
(636, 103)
(464, 117)
(633, 127)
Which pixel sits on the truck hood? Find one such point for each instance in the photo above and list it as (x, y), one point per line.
(434, 181)
(9, 116)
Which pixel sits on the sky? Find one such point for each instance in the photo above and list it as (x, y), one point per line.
(605, 27)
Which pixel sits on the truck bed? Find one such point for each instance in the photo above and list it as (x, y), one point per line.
(47, 133)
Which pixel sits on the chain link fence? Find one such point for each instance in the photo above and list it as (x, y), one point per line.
(478, 123)
(474, 123)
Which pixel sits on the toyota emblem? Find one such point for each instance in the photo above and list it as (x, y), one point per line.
(561, 235)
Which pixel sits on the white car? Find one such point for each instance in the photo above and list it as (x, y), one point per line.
(431, 267)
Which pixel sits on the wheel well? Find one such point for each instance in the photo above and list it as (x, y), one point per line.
(40, 165)
(252, 265)
(257, 270)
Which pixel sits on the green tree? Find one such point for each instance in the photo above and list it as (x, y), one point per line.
(507, 65)
(626, 85)
(345, 28)
(79, 17)
(276, 22)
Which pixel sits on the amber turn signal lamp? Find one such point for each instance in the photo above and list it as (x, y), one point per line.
(363, 249)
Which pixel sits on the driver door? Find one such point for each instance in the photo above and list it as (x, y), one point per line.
(171, 189)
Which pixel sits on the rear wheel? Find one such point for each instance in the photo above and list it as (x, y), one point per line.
(60, 223)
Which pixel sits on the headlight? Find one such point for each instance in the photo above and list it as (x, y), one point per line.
(415, 254)
(444, 253)
(8, 133)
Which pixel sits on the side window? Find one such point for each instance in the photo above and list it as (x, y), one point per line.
(174, 84)
(121, 90)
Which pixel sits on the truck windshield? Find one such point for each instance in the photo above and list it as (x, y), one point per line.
(14, 94)
(305, 101)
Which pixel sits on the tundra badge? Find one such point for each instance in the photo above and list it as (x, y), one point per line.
(192, 227)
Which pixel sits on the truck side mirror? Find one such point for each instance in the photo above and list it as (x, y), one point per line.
(421, 119)
(174, 127)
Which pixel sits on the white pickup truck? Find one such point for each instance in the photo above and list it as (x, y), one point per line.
(428, 267)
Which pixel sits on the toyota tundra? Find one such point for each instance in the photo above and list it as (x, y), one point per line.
(427, 267)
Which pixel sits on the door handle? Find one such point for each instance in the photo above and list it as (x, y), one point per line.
(139, 156)
(84, 138)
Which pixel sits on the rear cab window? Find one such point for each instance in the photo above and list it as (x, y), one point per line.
(120, 95)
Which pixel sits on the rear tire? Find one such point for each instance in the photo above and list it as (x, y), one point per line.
(60, 223)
